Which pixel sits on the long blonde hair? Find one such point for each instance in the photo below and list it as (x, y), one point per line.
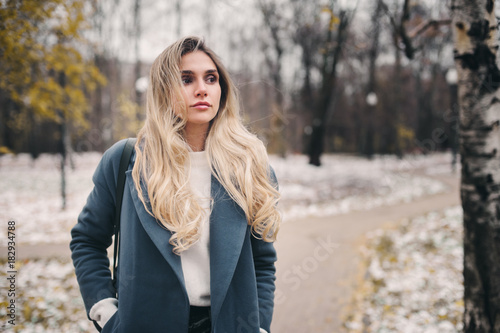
(238, 159)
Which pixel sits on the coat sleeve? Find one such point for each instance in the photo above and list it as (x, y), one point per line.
(92, 235)
(265, 271)
(265, 257)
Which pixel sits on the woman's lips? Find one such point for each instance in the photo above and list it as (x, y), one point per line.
(201, 106)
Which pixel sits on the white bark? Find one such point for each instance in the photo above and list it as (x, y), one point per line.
(475, 36)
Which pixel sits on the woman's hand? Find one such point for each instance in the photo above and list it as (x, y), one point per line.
(103, 310)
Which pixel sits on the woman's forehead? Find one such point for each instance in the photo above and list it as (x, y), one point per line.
(197, 61)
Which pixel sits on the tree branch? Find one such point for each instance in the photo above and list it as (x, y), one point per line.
(409, 49)
(391, 17)
(400, 27)
(426, 25)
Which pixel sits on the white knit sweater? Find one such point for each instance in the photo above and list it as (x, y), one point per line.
(196, 260)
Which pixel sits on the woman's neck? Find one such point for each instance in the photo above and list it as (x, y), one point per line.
(196, 135)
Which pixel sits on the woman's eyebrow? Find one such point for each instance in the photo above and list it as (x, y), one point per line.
(208, 71)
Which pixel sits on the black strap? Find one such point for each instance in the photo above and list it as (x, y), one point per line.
(120, 185)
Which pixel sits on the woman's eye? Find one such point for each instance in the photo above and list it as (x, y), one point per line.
(186, 80)
(212, 79)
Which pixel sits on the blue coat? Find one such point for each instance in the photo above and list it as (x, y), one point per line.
(151, 288)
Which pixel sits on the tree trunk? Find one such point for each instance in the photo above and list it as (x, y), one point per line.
(278, 123)
(138, 63)
(397, 119)
(178, 12)
(368, 147)
(62, 144)
(454, 123)
(475, 37)
(325, 106)
(5, 111)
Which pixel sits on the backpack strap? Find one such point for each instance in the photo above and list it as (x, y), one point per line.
(120, 186)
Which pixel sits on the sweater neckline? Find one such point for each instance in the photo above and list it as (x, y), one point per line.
(198, 158)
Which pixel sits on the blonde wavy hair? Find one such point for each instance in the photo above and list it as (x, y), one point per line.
(238, 159)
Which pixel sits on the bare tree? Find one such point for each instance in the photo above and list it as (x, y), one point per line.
(137, 32)
(105, 58)
(400, 24)
(178, 11)
(409, 23)
(275, 22)
(476, 45)
(209, 20)
(367, 145)
(333, 46)
(308, 35)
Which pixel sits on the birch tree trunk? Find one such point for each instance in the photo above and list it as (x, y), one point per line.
(475, 36)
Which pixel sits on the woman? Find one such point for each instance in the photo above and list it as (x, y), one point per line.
(198, 216)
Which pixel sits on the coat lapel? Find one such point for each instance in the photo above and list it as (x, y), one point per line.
(159, 235)
(228, 226)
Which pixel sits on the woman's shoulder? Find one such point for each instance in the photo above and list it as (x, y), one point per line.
(114, 152)
(110, 160)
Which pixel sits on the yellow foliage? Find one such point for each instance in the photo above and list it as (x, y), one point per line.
(5, 150)
(27, 311)
(326, 9)
(406, 136)
(334, 20)
(41, 67)
(129, 124)
(405, 133)
(18, 121)
(338, 142)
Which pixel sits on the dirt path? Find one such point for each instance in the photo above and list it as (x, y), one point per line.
(318, 261)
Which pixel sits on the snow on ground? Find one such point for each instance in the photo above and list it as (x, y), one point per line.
(47, 298)
(413, 281)
(30, 190)
(345, 183)
(31, 195)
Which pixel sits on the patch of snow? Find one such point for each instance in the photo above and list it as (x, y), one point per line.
(348, 183)
(414, 279)
(47, 298)
(31, 195)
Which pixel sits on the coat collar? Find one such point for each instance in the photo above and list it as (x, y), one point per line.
(228, 226)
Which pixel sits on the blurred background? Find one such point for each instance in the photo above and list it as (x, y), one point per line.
(357, 76)
(356, 101)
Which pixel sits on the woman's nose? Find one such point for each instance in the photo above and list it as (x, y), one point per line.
(201, 90)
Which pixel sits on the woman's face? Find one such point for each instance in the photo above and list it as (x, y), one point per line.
(201, 91)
